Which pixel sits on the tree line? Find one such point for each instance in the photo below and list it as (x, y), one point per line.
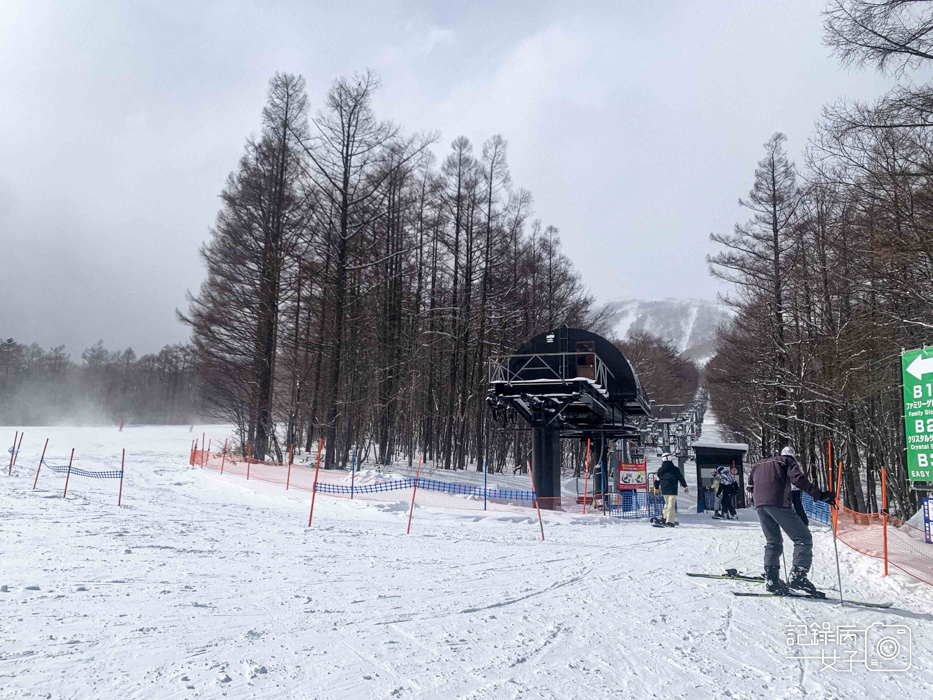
(831, 274)
(356, 287)
(40, 386)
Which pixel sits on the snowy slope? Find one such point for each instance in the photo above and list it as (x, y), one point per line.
(208, 586)
(690, 324)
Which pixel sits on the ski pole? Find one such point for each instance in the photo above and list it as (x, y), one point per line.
(835, 543)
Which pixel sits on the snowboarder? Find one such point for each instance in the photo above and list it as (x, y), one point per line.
(668, 476)
(770, 483)
(717, 490)
(728, 488)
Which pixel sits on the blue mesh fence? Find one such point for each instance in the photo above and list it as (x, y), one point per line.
(816, 510)
(634, 504)
(75, 471)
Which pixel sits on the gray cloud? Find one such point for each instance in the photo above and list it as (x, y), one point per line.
(635, 125)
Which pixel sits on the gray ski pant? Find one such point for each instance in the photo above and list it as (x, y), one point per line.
(773, 520)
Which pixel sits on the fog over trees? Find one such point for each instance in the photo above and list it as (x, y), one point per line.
(831, 274)
(41, 387)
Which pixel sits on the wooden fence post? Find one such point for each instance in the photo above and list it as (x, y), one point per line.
(68, 475)
(320, 446)
(15, 436)
(288, 479)
(412, 509)
(537, 505)
(36, 481)
(122, 468)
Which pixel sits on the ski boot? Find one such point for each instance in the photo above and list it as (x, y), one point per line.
(716, 516)
(800, 582)
(667, 524)
(773, 582)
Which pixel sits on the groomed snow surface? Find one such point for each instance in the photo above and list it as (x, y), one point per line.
(209, 586)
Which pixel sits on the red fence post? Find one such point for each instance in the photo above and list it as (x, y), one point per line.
(320, 446)
(36, 481)
(13, 453)
(68, 475)
(122, 467)
(205, 453)
(412, 510)
(288, 479)
(223, 457)
(884, 517)
(586, 474)
(537, 505)
(16, 451)
(249, 456)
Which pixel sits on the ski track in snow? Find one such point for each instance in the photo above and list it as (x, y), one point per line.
(207, 586)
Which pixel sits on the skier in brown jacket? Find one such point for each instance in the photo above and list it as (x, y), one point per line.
(770, 483)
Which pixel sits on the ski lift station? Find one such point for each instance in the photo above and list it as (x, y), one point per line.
(571, 384)
(709, 456)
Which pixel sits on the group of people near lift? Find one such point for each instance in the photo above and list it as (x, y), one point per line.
(775, 486)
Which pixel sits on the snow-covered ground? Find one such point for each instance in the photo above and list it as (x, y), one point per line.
(209, 586)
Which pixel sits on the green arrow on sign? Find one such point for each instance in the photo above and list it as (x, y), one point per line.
(917, 377)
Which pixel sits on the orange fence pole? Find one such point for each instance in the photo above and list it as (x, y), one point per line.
(537, 505)
(36, 481)
(204, 453)
(203, 445)
(223, 458)
(122, 467)
(16, 435)
(68, 475)
(412, 509)
(320, 445)
(884, 516)
(586, 474)
(249, 456)
(288, 478)
(16, 451)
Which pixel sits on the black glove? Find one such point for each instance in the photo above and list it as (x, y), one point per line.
(828, 497)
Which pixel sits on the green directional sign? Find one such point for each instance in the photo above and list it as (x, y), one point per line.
(917, 371)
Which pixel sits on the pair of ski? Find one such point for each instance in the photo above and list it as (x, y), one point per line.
(734, 575)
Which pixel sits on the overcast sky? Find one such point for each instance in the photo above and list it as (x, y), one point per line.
(636, 126)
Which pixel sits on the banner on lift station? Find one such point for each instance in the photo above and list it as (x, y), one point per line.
(633, 476)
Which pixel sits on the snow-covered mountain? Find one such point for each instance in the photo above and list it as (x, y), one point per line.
(690, 324)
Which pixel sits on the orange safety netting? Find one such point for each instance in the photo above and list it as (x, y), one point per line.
(907, 548)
